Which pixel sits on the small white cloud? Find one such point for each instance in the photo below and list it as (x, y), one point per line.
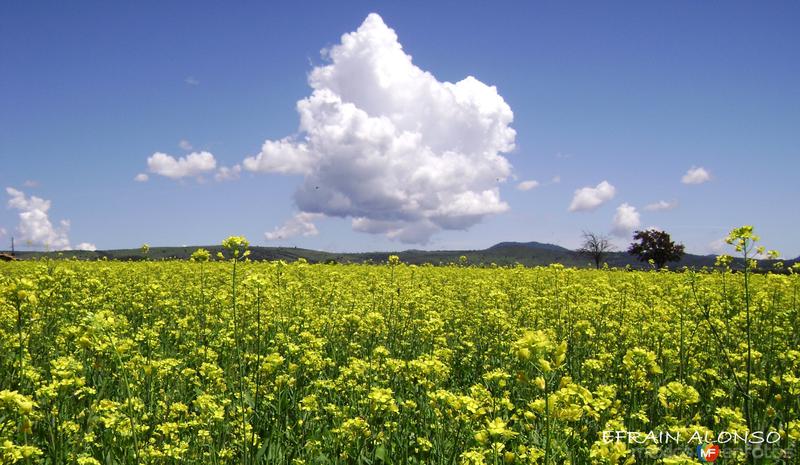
(185, 145)
(626, 219)
(35, 228)
(661, 205)
(555, 180)
(193, 165)
(589, 198)
(225, 173)
(31, 183)
(528, 185)
(191, 80)
(563, 156)
(141, 177)
(3, 232)
(301, 224)
(86, 246)
(696, 175)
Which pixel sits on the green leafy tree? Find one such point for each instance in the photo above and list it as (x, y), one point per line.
(655, 245)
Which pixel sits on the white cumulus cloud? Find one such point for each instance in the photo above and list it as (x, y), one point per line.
(193, 165)
(86, 246)
(185, 144)
(141, 177)
(696, 175)
(528, 185)
(301, 224)
(661, 205)
(35, 228)
(626, 219)
(386, 144)
(589, 198)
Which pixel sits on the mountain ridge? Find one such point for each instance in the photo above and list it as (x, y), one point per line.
(503, 253)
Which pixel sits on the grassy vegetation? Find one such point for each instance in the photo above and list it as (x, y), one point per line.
(239, 362)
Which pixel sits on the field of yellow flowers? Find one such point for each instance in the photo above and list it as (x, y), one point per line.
(227, 361)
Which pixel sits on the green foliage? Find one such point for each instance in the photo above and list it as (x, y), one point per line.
(655, 247)
(157, 362)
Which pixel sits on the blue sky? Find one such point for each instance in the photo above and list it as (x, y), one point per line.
(631, 93)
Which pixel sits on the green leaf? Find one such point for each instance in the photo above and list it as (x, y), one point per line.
(261, 451)
(381, 454)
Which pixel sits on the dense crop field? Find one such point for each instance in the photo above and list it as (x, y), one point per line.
(193, 362)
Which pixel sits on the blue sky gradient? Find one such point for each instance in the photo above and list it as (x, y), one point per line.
(630, 92)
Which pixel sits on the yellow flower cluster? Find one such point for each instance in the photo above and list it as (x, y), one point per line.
(192, 362)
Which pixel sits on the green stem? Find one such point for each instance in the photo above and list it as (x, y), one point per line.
(237, 341)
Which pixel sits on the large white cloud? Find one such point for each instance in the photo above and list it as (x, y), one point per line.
(35, 228)
(388, 145)
(626, 219)
(302, 224)
(589, 198)
(193, 165)
(696, 175)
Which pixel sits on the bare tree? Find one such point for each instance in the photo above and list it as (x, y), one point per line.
(596, 246)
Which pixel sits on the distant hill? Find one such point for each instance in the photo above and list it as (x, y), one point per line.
(529, 245)
(503, 253)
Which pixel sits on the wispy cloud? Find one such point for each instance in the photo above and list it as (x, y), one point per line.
(528, 185)
(661, 205)
(225, 173)
(718, 246)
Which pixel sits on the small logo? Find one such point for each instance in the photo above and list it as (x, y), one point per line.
(707, 452)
